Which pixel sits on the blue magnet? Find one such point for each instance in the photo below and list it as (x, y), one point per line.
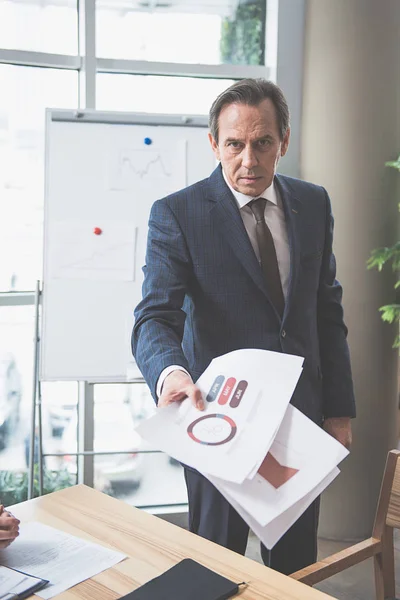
(147, 141)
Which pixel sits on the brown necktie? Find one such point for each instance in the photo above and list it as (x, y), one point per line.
(269, 262)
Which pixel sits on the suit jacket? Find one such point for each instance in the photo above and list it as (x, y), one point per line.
(204, 293)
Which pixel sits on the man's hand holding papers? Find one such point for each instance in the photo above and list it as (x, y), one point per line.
(177, 386)
(246, 394)
(340, 429)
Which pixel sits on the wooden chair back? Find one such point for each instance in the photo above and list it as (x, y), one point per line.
(388, 509)
(393, 509)
(379, 545)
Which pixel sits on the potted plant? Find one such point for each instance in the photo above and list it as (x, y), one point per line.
(14, 484)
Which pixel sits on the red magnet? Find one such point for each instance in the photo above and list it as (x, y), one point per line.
(97, 231)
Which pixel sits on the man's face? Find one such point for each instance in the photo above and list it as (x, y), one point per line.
(249, 146)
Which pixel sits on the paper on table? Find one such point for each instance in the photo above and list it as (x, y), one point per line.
(272, 533)
(301, 455)
(246, 393)
(63, 559)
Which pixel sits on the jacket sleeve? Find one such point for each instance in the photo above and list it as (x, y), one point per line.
(337, 383)
(159, 318)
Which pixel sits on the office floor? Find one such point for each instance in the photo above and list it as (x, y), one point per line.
(356, 583)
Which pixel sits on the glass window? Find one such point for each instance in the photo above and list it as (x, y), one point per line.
(157, 94)
(39, 25)
(140, 478)
(154, 480)
(16, 368)
(184, 31)
(25, 93)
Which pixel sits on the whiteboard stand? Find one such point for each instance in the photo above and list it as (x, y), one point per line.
(35, 403)
(40, 434)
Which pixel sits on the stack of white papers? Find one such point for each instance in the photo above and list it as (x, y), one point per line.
(267, 458)
(63, 559)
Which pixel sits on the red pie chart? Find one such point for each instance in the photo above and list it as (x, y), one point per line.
(212, 430)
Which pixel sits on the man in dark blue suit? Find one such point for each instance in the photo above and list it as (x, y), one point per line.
(244, 259)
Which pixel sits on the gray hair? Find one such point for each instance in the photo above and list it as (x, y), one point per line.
(251, 92)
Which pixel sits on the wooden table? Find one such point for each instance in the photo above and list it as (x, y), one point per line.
(152, 545)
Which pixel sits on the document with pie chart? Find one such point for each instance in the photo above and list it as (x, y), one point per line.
(267, 458)
(246, 394)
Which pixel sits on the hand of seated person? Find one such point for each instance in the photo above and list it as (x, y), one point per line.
(9, 527)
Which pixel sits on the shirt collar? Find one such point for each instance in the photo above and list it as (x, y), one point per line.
(270, 194)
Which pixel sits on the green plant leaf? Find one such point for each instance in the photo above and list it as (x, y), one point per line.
(393, 163)
(14, 484)
(390, 312)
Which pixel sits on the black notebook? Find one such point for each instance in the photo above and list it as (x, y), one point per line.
(188, 580)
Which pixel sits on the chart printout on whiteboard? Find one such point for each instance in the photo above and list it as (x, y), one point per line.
(78, 253)
(161, 169)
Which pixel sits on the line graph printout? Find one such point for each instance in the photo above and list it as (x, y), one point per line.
(80, 253)
(161, 168)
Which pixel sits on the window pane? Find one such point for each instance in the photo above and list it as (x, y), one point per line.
(189, 31)
(142, 479)
(39, 25)
(25, 93)
(118, 409)
(16, 368)
(156, 94)
(156, 481)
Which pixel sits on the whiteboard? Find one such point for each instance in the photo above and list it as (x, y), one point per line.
(103, 173)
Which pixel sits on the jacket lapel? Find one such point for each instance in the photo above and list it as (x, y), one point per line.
(226, 215)
(292, 208)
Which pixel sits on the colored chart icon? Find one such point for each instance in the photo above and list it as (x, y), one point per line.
(212, 430)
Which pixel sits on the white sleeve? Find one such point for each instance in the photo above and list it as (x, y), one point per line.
(164, 374)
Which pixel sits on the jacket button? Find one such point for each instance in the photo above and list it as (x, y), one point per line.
(283, 333)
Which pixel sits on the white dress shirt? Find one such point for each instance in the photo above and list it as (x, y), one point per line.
(275, 219)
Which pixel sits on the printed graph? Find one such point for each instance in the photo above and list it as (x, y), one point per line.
(79, 254)
(106, 259)
(132, 167)
(274, 472)
(212, 430)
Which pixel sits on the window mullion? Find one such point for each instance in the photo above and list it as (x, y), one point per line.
(87, 51)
